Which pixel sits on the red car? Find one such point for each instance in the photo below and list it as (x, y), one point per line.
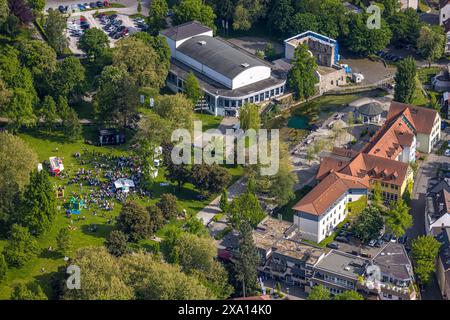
(106, 3)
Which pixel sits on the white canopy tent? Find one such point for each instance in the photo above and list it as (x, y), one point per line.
(124, 184)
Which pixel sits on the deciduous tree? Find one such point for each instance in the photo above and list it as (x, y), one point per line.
(39, 204)
(20, 248)
(424, 252)
(93, 42)
(302, 76)
(117, 243)
(405, 80)
(134, 221)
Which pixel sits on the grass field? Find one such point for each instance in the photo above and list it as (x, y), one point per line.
(46, 263)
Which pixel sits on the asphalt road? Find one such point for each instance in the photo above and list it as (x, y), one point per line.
(427, 172)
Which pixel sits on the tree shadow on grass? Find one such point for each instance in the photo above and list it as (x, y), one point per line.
(101, 230)
(54, 136)
(47, 254)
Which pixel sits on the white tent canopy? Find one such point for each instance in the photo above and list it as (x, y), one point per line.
(124, 184)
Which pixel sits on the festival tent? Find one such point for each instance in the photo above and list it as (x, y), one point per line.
(124, 184)
(56, 165)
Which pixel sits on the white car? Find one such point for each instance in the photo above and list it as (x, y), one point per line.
(447, 153)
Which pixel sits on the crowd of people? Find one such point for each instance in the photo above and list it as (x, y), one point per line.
(98, 173)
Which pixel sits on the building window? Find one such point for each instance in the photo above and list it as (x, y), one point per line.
(272, 92)
(251, 99)
(267, 93)
(277, 91)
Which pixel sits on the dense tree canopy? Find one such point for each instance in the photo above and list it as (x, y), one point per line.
(38, 209)
(424, 252)
(368, 224)
(398, 219)
(20, 248)
(55, 27)
(134, 221)
(405, 80)
(93, 42)
(188, 10)
(431, 43)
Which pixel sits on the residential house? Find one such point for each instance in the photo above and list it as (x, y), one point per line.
(444, 11)
(443, 263)
(437, 208)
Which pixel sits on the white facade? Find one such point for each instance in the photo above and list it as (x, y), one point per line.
(444, 13)
(406, 4)
(409, 153)
(317, 228)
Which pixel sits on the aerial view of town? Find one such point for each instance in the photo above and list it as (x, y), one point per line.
(231, 150)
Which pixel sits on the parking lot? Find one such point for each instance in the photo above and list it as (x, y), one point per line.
(116, 26)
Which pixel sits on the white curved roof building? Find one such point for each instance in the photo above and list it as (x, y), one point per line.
(229, 76)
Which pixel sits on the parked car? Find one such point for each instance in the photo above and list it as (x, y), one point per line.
(113, 16)
(394, 238)
(387, 237)
(379, 243)
(81, 7)
(342, 239)
(86, 5)
(447, 153)
(93, 5)
(62, 9)
(403, 239)
(333, 245)
(372, 243)
(106, 3)
(100, 4)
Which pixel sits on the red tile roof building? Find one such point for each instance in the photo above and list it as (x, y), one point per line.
(345, 175)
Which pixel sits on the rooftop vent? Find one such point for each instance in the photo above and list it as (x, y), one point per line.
(245, 65)
(202, 42)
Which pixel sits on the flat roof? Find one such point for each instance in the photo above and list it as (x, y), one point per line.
(215, 88)
(185, 30)
(393, 260)
(269, 231)
(298, 250)
(219, 55)
(343, 264)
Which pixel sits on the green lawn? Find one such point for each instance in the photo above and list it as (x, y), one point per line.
(54, 144)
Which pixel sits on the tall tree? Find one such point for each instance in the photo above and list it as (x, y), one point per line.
(192, 88)
(280, 16)
(348, 295)
(63, 241)
(303, 22)
(103, 277)
(93, 42)
(168, 204)
(249, 117)
(141, 61)
(405, 26)
(48, 111)
(431, 43)
(302, 76)
(247, 261)
(71, 125)
(424, 252)
(319, 293)
(134, 221)
(4, 11)
(3, 267)
(39, 203)
(247, 12)
(405, 80)
(156, 217)
(20, 248)
(17, 160)
(116, 243)
(245, 208)
(157, 12)
(55, 27)
(177, 109)
(368, 224)
(68, 79)
(364, 41)
(21, 10)
(117, 96)
(209, 178)
(189, 10)
(398, 219)
(30, 291)
(36, 5)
